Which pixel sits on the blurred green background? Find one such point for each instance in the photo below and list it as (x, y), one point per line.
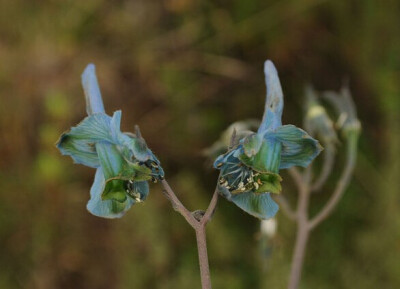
(184, 70)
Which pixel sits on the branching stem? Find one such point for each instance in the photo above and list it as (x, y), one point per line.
(285, 206)
(302, 231)
(329, 160)
(304, 224)
(341, 185)
(198, 223)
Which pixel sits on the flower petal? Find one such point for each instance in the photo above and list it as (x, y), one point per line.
(110, 159)
(80, 141)
(274, 103)
(142, 188)
(267, 159)
(105, 208)
(298, 147)
(81, 151)
(270, 183)
(115, 189)
(97, 128)
(252, 144)
(94, 102)
(134, 147)
(112, 164)
(259, 205)
(117, 171)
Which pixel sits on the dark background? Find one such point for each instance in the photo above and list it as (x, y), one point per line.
(184, 70)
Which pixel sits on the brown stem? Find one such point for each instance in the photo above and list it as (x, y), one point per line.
(199, 225)
(298, 256)
(211, 208)
(203, 258)
(285, 207)
(341, 185)
(302, 231)
(329, 160)
(304, 225)
(297, 176)
(177, 205)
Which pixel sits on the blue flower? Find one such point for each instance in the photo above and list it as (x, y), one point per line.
(124, 164)
(249, 172)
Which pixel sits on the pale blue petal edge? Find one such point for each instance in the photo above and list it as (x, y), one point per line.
(261, 206)
(98, 127)
(274, 100)
(109, 209)
(298, 147)
(80, 150)
(80, 141)
(94, 102)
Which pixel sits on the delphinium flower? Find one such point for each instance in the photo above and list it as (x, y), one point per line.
(123, 162)
(249, 171)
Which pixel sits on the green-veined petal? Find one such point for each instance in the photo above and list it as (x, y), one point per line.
(259, 205)
(134, 147)
(97, 128)
(298, 147)
(81, 151)
(105, 208)
(252, 144)
(117, 171)
(267, 159)
(80, 141)
(110, 159)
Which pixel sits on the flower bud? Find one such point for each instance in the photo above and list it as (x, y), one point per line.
(317, 121)
(347, 115)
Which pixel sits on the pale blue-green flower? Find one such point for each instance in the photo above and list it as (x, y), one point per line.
(124, 164)
(249, 171)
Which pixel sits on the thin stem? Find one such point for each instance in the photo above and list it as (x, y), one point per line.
(203, 258)
(211, 208)
(285, 206)
(298, 256)
(329, 160)
(297, 177)
(302, 231)
(341, 185)
(177, 205)
(198, 223)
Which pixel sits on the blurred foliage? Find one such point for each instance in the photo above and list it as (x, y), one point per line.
(184, 70)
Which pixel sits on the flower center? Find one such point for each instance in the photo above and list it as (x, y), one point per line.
(238, 178)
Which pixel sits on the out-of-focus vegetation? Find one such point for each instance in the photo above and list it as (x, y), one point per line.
(184, 70)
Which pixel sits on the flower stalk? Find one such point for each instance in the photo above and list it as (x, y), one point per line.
(198, 222)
